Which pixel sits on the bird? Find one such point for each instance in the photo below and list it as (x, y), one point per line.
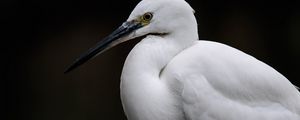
(172, 75)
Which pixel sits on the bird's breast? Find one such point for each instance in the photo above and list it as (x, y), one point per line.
(145, 96)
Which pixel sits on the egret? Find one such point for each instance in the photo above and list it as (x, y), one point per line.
(171, 75)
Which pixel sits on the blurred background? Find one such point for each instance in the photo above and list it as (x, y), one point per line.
(41, 38)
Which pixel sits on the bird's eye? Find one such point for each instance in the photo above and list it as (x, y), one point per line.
(147, 16)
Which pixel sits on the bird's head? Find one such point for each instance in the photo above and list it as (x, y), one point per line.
(150, 17)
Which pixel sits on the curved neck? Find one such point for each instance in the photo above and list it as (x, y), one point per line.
(153, 53)
(141, 88)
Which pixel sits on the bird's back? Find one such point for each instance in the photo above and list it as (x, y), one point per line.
(218, 82)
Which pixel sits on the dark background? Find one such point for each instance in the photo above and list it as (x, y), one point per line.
(41, 38)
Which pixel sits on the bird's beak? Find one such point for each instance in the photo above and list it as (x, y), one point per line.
(114, 38)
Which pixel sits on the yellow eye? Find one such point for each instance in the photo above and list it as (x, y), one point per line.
(147, 17)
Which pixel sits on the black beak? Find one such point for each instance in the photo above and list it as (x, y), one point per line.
(125, 29)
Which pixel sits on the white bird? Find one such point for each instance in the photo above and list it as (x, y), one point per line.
(171, 75)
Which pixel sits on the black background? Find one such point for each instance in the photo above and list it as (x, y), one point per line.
(41, 38)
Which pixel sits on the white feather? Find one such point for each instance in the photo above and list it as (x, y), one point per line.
(177, 77)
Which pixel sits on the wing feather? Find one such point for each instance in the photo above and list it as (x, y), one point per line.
(218, 82)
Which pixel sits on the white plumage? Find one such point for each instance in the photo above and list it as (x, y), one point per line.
(176, 77)
(171, 75)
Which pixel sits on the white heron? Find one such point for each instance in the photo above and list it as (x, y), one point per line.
(171, 75)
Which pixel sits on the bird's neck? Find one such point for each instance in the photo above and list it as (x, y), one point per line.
(151, 55)
(142, 90)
